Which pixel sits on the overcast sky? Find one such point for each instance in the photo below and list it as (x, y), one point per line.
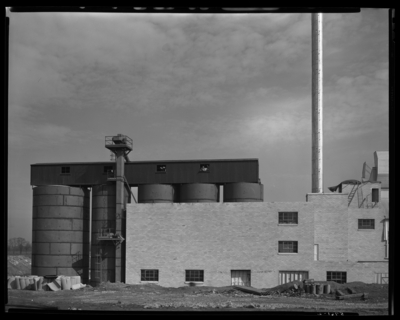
(194, 87)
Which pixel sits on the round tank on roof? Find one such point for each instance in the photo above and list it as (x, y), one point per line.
(60, 231)
(103, 257)
(156, 193)
(199, 192)
(243, 192)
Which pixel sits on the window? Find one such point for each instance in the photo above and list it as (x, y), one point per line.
(149, 275)
(161, 168)
(375, 195)
(204, 168)
(194, 275)
(108, 169)
(65, 170)
(287, 247)
(288, 218)
(337, 276)
(366, 224)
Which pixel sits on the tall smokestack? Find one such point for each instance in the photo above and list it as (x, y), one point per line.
(317, 129)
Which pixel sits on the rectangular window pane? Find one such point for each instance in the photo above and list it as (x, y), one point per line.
(366, 223)
(65, 169)
(161, 168)
(337, 276)
(375, 195)
(288, 217)
(149, 275)
(108, 169)
(194, 275)
(287, 246)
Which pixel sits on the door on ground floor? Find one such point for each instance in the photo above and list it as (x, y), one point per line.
(241, 278)
(382, 278)
(288, 276)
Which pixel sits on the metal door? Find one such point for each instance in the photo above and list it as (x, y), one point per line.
(241, 278)
(289, 276)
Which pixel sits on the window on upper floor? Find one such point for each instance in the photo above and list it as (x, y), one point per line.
(204, 168)
(337, 276)
(107, 169)
(375, 195)
(288, 218)
(366, 223)
(148, 275)
(65, 170)
(161, 168)
(287, 247)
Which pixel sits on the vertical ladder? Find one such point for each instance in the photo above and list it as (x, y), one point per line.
(352, 193)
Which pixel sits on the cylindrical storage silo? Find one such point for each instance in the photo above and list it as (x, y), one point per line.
(199, 192)
(156, 193)
(102, 266)
(60, 231)
(103, 253)
(243, 192)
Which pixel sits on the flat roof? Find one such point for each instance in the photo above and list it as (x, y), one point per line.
(148, 162)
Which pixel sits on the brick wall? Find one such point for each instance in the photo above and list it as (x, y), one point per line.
(216, 238)
(330, 225)
(220, 237)
(366, 244)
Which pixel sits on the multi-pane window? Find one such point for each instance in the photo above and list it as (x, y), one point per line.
(337, 276)
(366, 223)
(149, 275)
(288, 218)
(194, 275)
(65, 170)
(287, 246)
(161, 168)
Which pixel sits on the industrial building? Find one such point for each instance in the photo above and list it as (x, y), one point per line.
(203, 222)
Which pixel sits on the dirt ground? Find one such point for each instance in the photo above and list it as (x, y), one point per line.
(150, 297)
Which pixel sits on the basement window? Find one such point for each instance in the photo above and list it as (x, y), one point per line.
(337, 276)
(148, 275)
(161, 168)
(194, 276)
(288, 218)
(65, 170)
(204, 168)
(287, 246)
(366, 224)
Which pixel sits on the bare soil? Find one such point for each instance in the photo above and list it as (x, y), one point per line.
(123, 297)
(151, 297)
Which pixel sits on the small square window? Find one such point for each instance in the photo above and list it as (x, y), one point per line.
(108, 169)
(65, 170)
(366, 224)
(204, 168)
(148, 275)
(288, 218)
(161, 168)
(287, 246)
(337, 276)
(194, 275)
